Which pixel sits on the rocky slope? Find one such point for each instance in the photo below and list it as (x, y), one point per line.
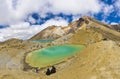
(94, 32)
(52, 32)
(99, 60)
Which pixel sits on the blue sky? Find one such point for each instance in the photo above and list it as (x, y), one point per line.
(24, 18)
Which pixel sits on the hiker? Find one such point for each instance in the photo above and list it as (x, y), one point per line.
(48, 72)
(53, 70)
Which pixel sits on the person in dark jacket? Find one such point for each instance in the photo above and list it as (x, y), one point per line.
(53, 70)
(48, 72)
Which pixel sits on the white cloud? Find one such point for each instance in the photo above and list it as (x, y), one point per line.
(75, 6)
(117, 3)
(24, 30)
(58, 22)
(114, 23)
(31, 20)
(14, 11)
(104, 21)
(117, 7)
(108, 9)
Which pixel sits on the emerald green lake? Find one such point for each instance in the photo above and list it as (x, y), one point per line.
(52, 55)
(43, 41)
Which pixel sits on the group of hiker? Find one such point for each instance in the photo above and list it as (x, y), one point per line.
(48, 72)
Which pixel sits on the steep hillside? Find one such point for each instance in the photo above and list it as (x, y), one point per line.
(87, 30)
(52, 32)
(93, 32)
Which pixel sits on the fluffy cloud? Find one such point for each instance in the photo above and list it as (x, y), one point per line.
(117, 6)
(75, 6)
(114, 23)
(108, 9)
(24, 30)
(13, 11)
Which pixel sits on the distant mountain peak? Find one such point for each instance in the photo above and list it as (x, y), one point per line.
(85, 22)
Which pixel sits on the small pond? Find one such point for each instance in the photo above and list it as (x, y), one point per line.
(42, 41)
(52, 55)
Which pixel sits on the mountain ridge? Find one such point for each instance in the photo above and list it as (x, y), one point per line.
(82, 23)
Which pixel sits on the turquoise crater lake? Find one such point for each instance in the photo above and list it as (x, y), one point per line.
(52, 55)
(42, 41)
